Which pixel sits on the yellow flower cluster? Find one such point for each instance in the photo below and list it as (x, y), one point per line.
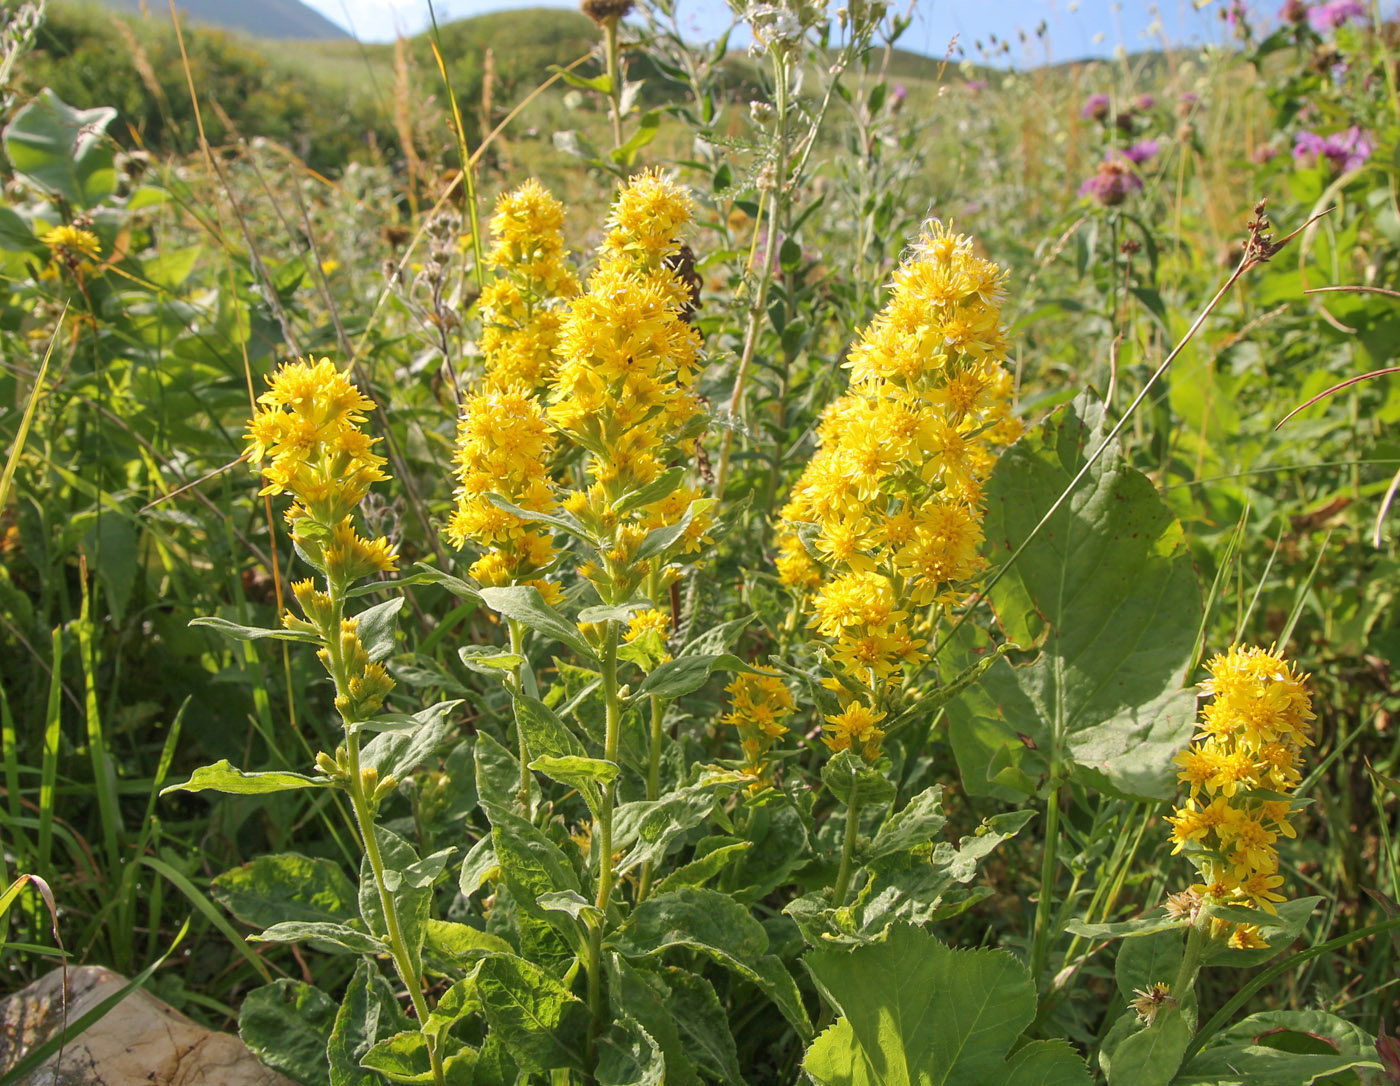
(624, 388)
(519, 311)
(758, 706)
(504, 447)
(883, 527)
(1243, 760)
(309, 428)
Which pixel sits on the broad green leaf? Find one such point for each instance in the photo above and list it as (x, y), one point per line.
(627, 1056)
(913, 827)
(915, 1011)
(287, 1024)
(1144, 962)
(525, 604)
(585, 774)
(222, 777)
(642, 994)
(1108, 592)
(686, 674)
(541, 1024)
(557, 752)
(368, 1012)
(377, 626)
(1150, 1056)
(462, 942)
(400, 752)
(1126, 929)
(489, 659)
(252, 633)
(63, 151)
(497, 774)
(719, 927)
(532, 865)
(646, 131)
(1262, 1065)
(704, 1026)
(647, 828)
(404, 1058)
(846, 773)
(286, 887)
(654, 491)
(324, 935)
(494, 1066)
(659, 541)
(479, 867)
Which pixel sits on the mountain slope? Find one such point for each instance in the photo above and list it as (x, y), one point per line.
(260, 18)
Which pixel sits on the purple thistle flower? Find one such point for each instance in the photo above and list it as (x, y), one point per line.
(1142, 151)
(1113, 183)
(1263, 154)
(1095, 108)
(1335, 13)
(1144, 102)
(1342, 152)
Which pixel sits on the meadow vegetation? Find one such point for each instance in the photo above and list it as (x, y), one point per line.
(557, 552)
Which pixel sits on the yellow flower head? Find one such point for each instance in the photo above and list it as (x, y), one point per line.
(1247, 750)
(759, 704)
(72, 243)
(308, 428)
(855, 728)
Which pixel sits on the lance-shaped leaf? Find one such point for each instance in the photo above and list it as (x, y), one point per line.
(915, 1011)
(525, 604)
(399, 752)
(542, 1025)
(223, 777)
(368, 1013)
(1107, 590)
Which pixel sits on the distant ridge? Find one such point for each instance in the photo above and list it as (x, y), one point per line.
(261, 18)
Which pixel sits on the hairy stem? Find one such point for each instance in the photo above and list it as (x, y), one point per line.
(658, 714)
(518, 687)
(602, 832)
(848, 847)
(1040, 945)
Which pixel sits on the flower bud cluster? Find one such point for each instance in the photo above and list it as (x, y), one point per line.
(882, 529)
(1239, 770)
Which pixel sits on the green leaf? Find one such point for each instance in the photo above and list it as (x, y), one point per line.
(1151, 1056)
(368, 1012)
(533, 865)
(846, 773)
(911, 828)
(525, 604)
(222, 777)
(287, 1024)
(649, 827)
(1144, 962)
(544, 732)
(1282, 1048)
(323, 934)
(627, 1056)
(719, 927)
(1108, 589)
(252, 633)
(600, 83)
(541, 1024)
(400, 752)
(686, 674)
(585, 774)
(497, 774)
(654, 491)
(643, 995)
(914, 1011)
(377, 626)
(489, 659)
(647, 130)
(404, 1058)
(479, 867)
(284, 887)
(1126, 929)
(698, 872)
(63, 151)
(463, 942)
(660, 540)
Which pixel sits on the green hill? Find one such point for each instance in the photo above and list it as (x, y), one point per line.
(260, 18)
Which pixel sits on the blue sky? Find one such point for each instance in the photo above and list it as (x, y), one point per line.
(1077, 28)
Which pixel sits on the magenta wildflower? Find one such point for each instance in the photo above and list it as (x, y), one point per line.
(1144, 102)
(1335, 13)
(1293, 11)
(1096, 108)
(1342, 152)
(1112, 183)
(1142, 151)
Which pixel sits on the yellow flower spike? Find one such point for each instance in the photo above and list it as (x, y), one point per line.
(855, 728)
(1250, 740)
(895, 487)
(759, 704)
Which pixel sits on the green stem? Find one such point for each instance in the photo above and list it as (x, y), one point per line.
(602, 832)
(658, 714)
(1040, 946)
(758, 307)
(848, 847)
(1196, 940)
(523, 795)
(614, 79)
(364, 817)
